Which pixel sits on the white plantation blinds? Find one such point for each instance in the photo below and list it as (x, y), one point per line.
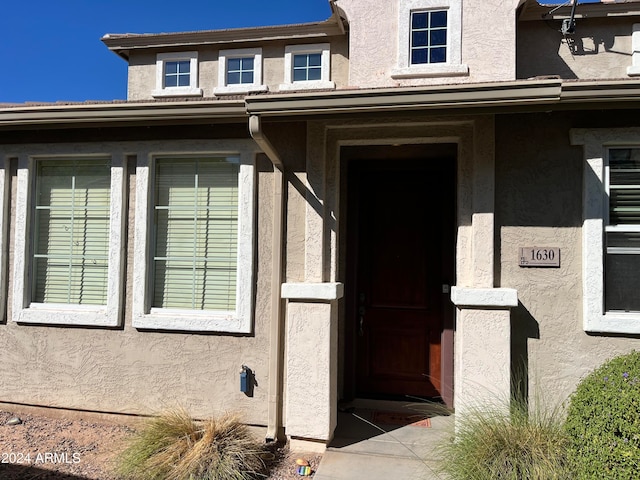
(196, 233)
(71, 231)
(622, 266)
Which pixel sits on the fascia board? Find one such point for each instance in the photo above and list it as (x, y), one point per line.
(457, 96)
(43, 115)
(600, 92)
(117, 42)
(534, 11)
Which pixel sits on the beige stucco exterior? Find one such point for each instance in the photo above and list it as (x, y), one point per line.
(519, 183)
(374, 43)
(125, 370)
(600, 48)
(142, 66)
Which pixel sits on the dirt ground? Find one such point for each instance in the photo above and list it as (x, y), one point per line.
(54, 448)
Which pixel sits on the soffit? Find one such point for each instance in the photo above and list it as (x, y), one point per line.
(120, 112)
(533, 10)
(497, 97)
(122, 44)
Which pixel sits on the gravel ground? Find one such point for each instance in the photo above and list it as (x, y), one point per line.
(48, 448)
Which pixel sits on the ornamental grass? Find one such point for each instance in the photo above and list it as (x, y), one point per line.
(173, 446)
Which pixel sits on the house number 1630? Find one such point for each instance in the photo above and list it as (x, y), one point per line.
(539, 257)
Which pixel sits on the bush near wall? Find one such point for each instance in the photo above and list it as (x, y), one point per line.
(603, 421)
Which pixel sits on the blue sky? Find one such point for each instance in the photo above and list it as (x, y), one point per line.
(50, 50)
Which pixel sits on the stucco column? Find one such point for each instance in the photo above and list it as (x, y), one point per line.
(482, 371)
(311, 363)
(483, 348)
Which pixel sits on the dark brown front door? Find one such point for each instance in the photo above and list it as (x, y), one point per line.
(403, 245)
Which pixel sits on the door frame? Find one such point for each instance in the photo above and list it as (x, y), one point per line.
(396, 155)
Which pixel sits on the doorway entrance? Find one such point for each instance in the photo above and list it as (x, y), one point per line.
(400, 262)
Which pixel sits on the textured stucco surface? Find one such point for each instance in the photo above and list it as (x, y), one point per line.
(600, 48)
(539, 203)
(142, 66)
(482, 359)
(373, 27)
(311, 395)
(130, 371)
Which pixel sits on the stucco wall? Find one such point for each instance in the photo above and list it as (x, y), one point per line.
(600, 48)
(539, 203)
(142, 66)
(373, 30)
(125, 370)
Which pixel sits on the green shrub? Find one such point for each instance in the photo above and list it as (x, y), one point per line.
(603, 421)
(175, 447)
(521, 445)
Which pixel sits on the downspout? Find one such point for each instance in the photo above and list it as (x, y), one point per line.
(275, 428)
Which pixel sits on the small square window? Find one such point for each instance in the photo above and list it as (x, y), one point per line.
(429, 37)
(240, 71)
(307, 67)
(177, 75)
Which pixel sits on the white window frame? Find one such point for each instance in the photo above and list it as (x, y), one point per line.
(595, 205)
(453, 66)
(4, 221)
(256, 86)
(324, 49)
(25, 311)
(146, 317)
(192, 90)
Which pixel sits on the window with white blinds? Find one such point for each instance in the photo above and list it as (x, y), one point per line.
(196, 233)
(622, 231)
(71, 231)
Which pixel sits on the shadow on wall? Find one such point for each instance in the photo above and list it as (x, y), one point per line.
(597, 49)
(523, 327)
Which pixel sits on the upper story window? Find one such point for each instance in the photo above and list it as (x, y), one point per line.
(430, 39)
(177, 75)
(307, 67)
(611, 229)
(240, 71)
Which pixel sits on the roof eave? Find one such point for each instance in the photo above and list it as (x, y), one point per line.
(120, 113)
(545, 94)
(122, 44)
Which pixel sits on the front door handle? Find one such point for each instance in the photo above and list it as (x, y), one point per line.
(361, 311)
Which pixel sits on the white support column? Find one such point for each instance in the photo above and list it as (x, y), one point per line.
(483, 347)
(482, 374)
(312, 360)
(634, 69)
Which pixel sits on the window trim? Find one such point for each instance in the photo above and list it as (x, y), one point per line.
(453, 66)
(325, 77)
(25, 311)
(5, 190)
(596, 143)
(256, 86)
(145, 317)
(192, 90)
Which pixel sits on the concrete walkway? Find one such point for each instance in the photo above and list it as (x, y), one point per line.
(367, 445)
